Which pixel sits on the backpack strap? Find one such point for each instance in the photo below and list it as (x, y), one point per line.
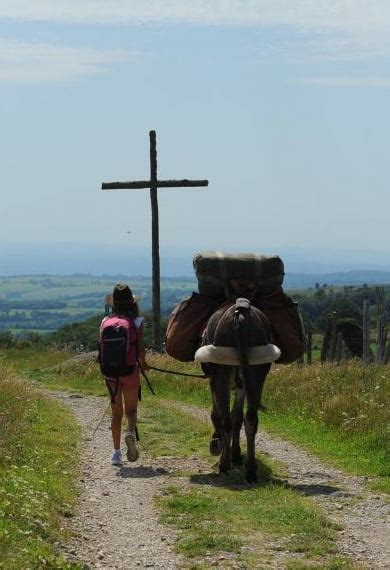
(135, 341)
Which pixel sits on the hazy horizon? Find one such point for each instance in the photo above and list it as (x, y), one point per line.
(99, 259)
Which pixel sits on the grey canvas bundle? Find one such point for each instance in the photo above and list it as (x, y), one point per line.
(226, 276)
(221, 275)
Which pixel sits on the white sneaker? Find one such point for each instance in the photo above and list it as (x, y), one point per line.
(116, 458)
(131, 443)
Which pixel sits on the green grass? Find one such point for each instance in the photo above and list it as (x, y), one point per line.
(56, 370)
(191, 390)
(220, 514)
(28, 360)
(217, 518)
(79, 377)
(217, 515)
(340, 412)
(39, 456)
(162, 431)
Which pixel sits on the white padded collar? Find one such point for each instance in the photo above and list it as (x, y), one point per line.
(230, 356)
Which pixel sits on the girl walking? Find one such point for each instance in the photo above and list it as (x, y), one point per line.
(121, 354)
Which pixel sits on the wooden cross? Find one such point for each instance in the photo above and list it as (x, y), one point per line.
(153, 184)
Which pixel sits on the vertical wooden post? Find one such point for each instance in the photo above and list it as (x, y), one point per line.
(340, 350)
(366, 331)
(381, 331)
(333, 336)
(156, 325)
(325, 346)
(387, 354)
(384, 345)
(309, 345)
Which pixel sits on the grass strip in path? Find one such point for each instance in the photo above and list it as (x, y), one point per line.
(39, 454)
(221, 515)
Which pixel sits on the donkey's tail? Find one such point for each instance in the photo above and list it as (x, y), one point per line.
(241, 324)
(241, 333)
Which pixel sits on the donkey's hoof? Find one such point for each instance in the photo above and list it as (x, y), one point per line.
(251, 478)
(216, 446)
(224, 469)
(238, 459)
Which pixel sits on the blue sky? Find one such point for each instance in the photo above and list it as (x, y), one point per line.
(281, 104)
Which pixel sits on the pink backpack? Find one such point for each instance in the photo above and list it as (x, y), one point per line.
(117, 346)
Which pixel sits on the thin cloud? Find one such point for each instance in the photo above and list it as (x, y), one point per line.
(309, 48)
(337, 29)
(29, 62)
(319, 14)
(382, 82)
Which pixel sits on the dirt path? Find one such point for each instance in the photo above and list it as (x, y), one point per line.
(364, 516)
(117, 524)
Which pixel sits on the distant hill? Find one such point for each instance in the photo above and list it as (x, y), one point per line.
(357, 277)
(46, 303)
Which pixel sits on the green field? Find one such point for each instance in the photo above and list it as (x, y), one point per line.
(45, 303)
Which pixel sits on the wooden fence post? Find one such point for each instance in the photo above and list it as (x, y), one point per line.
(309, 346)
(381, 331)
(333, 336)
(387, 355)
(340, 348)
(366, 331)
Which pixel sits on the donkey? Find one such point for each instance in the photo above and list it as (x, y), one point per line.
(236, 353)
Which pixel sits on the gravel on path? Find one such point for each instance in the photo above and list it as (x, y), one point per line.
(364, 516)
(116, 525)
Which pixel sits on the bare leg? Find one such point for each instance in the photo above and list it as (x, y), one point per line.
(116, 421)
(130, 396)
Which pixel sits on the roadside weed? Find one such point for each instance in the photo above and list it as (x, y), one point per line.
(39, 451)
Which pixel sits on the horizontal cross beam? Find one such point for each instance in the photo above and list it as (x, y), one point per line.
(149, 183)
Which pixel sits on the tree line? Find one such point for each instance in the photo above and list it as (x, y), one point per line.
(316, 305)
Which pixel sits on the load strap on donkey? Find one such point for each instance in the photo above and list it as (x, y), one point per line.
(222, 278)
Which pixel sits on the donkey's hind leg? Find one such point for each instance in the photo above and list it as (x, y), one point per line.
(220, 388)
(254, 387)
(216, 438)
(237, 419)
